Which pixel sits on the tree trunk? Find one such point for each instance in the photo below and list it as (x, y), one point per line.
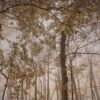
(63, 67)
(48, 90)
(22, 94)
(73, 84)
(36, 88)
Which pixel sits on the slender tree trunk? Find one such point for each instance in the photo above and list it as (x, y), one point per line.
(41, 89)
(58, 84)
(22, 94)
(95, 88)
(10, 88)
(73, 84)
(4, 92)
(48, 91)
(79, 90)
(63, 67)
(56, 89)
(93, 82)
(36, 88)
(44, 87)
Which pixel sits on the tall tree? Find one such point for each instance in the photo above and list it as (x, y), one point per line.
(63, 67)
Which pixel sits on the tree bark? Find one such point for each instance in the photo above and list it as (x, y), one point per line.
(63, 67)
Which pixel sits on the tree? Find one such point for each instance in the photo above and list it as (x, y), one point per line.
(66, 19)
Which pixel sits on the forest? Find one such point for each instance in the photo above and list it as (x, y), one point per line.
(49, 49)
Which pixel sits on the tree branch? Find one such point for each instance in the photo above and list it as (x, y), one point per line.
(84, 53)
